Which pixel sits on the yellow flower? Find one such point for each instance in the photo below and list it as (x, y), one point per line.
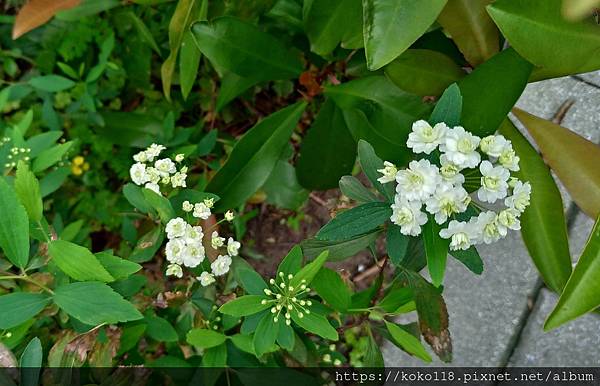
(79, 160)
(76, 170)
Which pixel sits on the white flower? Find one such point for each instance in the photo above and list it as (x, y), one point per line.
(193, 234)
(176, 227)
(174, 251)
(233, 247)
(216, 241)
(462, 235)
(408, 215)
(424, 138)
(450, 172)
(389, 172)
(489, 228)
(460, 147)
(446, 201)
(154, 151)
(509, 159)
(493, 145)
(520, 198)
(187, 206)
(178, 179)
(165, 167)
(494, 182)
(141, 156)
(201, 211)
(419, 181)
(510, 218)
(138, 174)
(179, 157)
(209, 202)
(174, 270)
(206, 278)
(221, 265)
(229, 215)
(153, 174)
(193, 254)
(165, 180)
(153, 187)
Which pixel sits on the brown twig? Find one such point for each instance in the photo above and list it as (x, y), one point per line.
(318, 200)
(373, 270)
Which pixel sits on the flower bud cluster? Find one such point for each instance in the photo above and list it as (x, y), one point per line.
(16, 154)
(286, 299)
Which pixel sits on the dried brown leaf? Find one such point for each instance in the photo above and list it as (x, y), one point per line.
(37, 12)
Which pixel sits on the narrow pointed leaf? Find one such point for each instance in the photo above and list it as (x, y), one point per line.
(14, 226)
(356, 221)
(543, 223)
(582, 292)
(407, 341)
(243, 306)
(469, 25)
(573, 158)
(436, 250)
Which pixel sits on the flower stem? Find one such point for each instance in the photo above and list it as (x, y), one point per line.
(29, 280)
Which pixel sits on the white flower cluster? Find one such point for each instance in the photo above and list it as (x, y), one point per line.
(439, 189)
(150, 171)
(185, 245)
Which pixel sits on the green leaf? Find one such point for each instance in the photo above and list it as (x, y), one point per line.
(573, 158)
(51, 156)
(391, 26)
(423, 72)
(370, 163)
(244, 49)
(189, 58)
(147, 245)
(471, 28)
(537, 31)
(253, 158)
(317, 324)
(117, 267)
(436, 250)
(232, 86)
(396, 297)
(265, 334)
(180, 22)
(143, 31)
(356, 221)
(160, 203)
(51, 83)
(77, 261)
(215, 357)
(433, 314)
(331, 288)
(243, 306)
(53, 180)
(285, 337)
(338, 250)
(41, 142)
(449, 108)
(282, 187)
(543, 223)
(250, 281)
(327, 23)
(470, 258)
(18, 307)
(309, 271)
(204, 338)
(328, 131)
(582, 291)
(129, 129)
(373, 356)
(135, 196)
(292, 262)
(352, 188)
(27, 188)
(407, 341)
(503, 77)
(160, 329)
(397, 244)
(379, 112)
(94, 303)
(14, 226)
(31, 359)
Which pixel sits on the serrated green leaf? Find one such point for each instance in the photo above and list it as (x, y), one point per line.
(18, 307)
(14, 226)
(77, 261)
(117, 267)
(338, 250)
